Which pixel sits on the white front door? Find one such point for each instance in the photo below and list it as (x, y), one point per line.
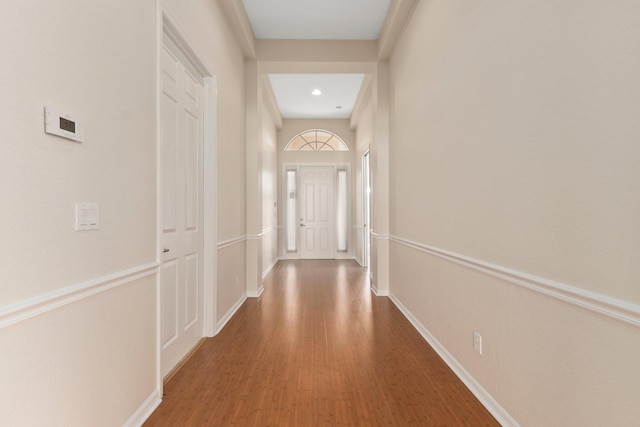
(181, 194)
(317, 212)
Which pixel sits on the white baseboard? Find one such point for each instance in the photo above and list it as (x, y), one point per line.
(229, 314)
(379, 293)
(498, 412)
(145, 410)
(268, 269)
(256, 294)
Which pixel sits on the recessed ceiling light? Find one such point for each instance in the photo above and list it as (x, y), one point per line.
(316, 92)
(338, 107)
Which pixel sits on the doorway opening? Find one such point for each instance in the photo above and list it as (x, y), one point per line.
(316, 211)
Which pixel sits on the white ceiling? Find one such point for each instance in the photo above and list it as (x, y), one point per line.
(293, 93)
(316, 20)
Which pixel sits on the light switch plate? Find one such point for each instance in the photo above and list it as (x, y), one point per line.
(87, 216)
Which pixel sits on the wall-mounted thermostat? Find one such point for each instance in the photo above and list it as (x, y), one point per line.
(62, 125)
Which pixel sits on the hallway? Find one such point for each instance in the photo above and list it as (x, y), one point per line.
(317, 348)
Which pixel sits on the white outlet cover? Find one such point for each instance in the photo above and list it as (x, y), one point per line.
(477, 342)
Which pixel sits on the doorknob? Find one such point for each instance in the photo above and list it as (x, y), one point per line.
(303, 225)
(165, 250)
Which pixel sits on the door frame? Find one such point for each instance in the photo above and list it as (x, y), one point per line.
(283, 202)
(167, 24)
(366, 208)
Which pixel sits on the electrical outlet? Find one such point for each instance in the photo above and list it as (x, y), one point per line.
(477, 343)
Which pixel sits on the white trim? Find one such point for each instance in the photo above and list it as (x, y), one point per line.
(379, 293)
(269, 230)
(159, 46)
(145, 410)
(498, 412)
(262, 233)
(379, 236)
(613, 308)
(167, 24)
(365, 206)
(296, 165)
(268, 269)
(256, 294)
(210, 220)
(229, 314)
(17, 312)
(230, 242)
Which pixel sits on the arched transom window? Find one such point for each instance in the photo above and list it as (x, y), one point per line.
(316, 140)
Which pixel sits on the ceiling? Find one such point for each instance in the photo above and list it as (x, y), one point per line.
(316, 20)
(296, 100)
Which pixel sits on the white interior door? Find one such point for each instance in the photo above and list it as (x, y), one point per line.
(181, 188)
(317, 212)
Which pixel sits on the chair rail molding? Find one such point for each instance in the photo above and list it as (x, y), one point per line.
(14, 313)
(230, 242)
(613, 308)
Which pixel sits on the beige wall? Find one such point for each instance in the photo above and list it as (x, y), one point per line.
(269, 170)
(371, 120)
(78, 309)
(262, 118)
(363, 117)
(90, 362)
(514, 152)
(48, 64)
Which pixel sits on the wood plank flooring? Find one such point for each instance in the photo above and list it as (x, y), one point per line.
(317, 349)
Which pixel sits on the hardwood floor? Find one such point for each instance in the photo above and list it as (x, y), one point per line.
(317, 349)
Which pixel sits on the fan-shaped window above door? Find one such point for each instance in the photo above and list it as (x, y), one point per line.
(316, 140)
